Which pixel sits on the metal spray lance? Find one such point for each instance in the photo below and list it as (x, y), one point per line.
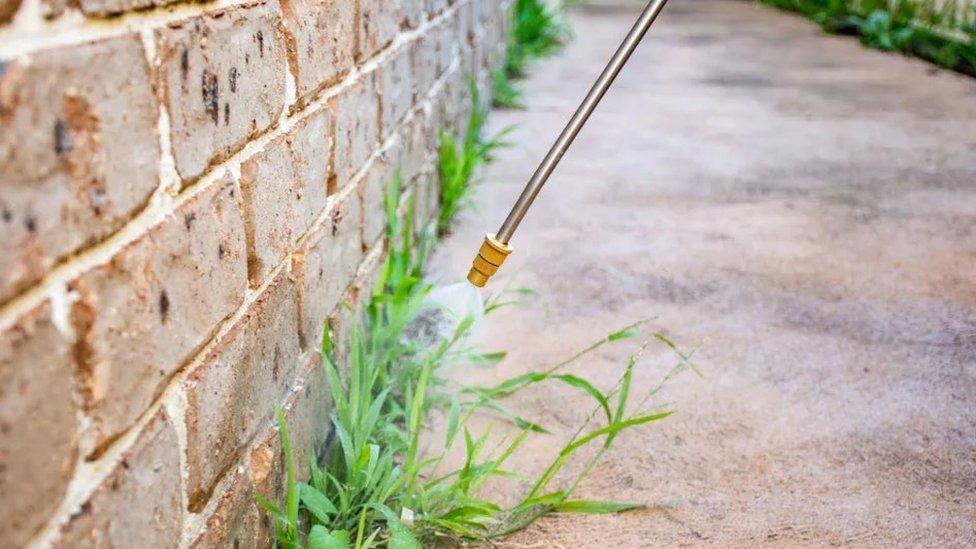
(495, 248)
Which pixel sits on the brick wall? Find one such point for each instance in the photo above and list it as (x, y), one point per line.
(187, 192)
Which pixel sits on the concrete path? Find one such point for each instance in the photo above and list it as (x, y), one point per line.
(803, 212)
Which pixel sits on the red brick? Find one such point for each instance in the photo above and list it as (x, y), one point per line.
(7, 9)
(348, 316)
(372, 189)
(233, 393)
(138, 504)
(423, 70)
(78, 152)
(37, 424)
(327, 265)
(435, 7)
(447, 36)
(266, 465)
(427, 192)
(409, 12)
(379, 23)
(307, 416)
(222, 77)
(357, 126)
(416, 144)
(236, 520)
(452, 103)
(321, 41)
(396, 89)
(144, 314)
(284, 188)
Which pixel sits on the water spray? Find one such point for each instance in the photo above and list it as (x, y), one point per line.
(495, 247)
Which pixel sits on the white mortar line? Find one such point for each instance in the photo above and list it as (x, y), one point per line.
(88, 476)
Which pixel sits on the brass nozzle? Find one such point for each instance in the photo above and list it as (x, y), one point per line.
(490, 257)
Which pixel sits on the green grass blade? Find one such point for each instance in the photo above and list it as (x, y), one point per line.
(595, 507)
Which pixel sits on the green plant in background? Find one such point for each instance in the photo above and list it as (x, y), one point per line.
(537, 31)
(376, 487)
(505, 94)
(942, 32)
(879, 31)
(458, 158)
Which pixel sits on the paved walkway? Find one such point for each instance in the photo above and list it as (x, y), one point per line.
(802, 211)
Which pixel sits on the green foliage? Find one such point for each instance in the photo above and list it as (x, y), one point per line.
(879, 31)
(505, 94)
(376, 486)
(537, 31)
(458, 158)
(940, 32)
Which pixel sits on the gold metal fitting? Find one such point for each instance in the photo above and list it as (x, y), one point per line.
(490, 257)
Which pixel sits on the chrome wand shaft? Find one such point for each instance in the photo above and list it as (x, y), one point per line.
(495, 247)
(576, 123)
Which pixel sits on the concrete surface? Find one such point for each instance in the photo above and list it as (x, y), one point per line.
(800, 210)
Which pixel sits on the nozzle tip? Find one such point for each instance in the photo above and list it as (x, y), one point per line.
(476, 278)
(490, 257)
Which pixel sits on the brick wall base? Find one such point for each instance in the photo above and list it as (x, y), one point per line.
(187, 192)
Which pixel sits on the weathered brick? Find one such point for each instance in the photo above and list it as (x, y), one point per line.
(464, 19)
(357, 126)
(236, 520)
(348, 316)
(37, 424)
(321, 41)
(223, 79)
(266, 465)
(452, 103)
(427, 191)
(327, 265)
(7, 9)
(232, 394)
(410, 13)
(447, 36)
(379, 23)
(424, 71)
(372, 188)
(78, 152)
(141, 316)
(396, 89)
(284, 188)
(416, 144)
(307, 415)
(138, 505)
(434, 7)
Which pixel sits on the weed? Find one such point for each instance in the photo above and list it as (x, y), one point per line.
(537, 31)
(941, 32)
(376, 487)
(505, 94)
(458, 158)
(879, 31)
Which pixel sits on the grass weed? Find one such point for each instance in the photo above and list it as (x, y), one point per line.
(376, 486)
(537, 30)
(458, 158)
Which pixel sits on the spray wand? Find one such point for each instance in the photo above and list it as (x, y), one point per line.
(495, 248)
